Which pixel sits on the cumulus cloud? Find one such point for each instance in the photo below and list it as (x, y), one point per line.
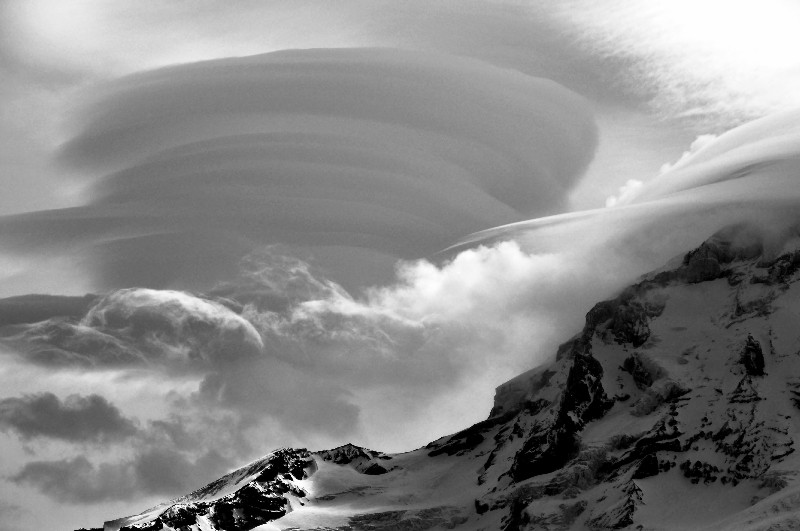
(283, 347)
(699, 143)
(76, 419)
(627, 192)
(439, 327)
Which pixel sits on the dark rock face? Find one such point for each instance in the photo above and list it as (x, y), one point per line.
(620, 515)
(739, 242)
(38, 308)
(703, 264)
(753, 357)
(629, 324)
(783, 268)
(583, 399)
(741, 454)
(510, 397)
(458, 444)
(647, 467)
(252, 505)
(644, 373)
(361, 459)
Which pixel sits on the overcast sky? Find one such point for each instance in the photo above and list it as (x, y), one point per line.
(231, 228)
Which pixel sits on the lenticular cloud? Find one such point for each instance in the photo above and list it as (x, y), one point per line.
(358, 155)
(747, 175)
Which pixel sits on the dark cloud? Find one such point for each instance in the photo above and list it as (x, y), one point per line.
(10, 512)
(151, 472)
(36, 308)
(178, 335)
(141, 327)
(282, 346)
(299, 400)
(75, 419)
(60, 342)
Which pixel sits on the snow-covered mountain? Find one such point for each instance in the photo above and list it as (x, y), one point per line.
(676, 407)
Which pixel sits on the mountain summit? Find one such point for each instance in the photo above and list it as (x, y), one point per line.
(676, 407)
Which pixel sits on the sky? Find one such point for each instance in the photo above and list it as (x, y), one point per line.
(226, 229)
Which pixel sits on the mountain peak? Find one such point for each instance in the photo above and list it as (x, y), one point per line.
(675, 407)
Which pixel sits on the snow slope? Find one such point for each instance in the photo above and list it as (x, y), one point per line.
(676, 407)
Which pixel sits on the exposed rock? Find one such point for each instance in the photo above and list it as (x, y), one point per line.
(752, 357)
(775, 481)
(510, 397)
(745, 392)
(581, 473)
(620, 514)
(647, 466)
(582, 400)
(567, 513)
(781, 270)
(408, 520)
(259, 501)
(739, 242)
(699, 470)
(361, 459)
(661, 392)
(643, 369)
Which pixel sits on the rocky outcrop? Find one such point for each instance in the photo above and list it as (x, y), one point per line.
(619, 515)
(260, 500)
(752, 357)
(582, 400)
(365, 461)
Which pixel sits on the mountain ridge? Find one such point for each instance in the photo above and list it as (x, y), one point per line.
(678, 393)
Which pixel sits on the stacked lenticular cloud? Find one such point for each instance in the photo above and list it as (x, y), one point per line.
(373, 153)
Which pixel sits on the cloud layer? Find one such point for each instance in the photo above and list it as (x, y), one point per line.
(77, 480)
(78, 418)
(280, 348)
(236, 212)
(393, 152)
(748, 174)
